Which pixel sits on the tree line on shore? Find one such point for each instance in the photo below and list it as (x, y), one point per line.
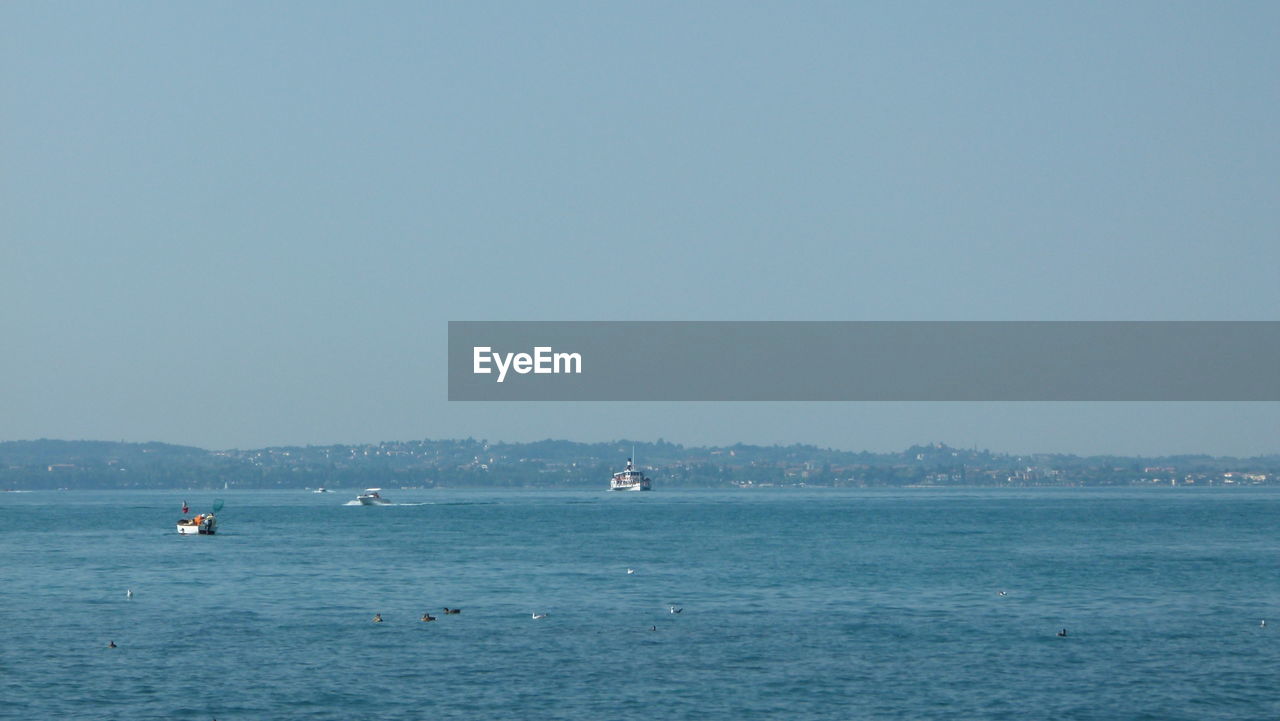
(52, 464)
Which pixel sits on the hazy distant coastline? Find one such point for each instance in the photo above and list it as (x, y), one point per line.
(53, 464)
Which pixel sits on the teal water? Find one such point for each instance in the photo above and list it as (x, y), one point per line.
(807, 604)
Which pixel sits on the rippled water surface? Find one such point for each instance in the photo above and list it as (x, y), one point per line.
(807, 604)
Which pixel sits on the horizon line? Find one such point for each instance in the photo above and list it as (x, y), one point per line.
(625, 441)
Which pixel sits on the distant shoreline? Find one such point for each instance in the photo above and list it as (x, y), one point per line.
(470, 463)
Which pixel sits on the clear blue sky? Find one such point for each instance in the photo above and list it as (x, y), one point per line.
(238, 224)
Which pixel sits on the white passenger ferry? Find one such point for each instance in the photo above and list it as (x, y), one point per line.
(629, 480)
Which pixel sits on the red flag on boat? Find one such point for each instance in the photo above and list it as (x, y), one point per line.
(184, 507)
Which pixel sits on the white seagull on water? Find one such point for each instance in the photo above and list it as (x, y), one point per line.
(540, 615)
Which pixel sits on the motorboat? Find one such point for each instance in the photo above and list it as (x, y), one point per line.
(203, 524)
(322, 489)
(372, 497)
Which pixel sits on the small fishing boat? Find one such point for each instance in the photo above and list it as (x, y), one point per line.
(204, 524)
(322, 489)
(372, 497)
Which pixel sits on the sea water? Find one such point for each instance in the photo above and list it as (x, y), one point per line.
(797, 604)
